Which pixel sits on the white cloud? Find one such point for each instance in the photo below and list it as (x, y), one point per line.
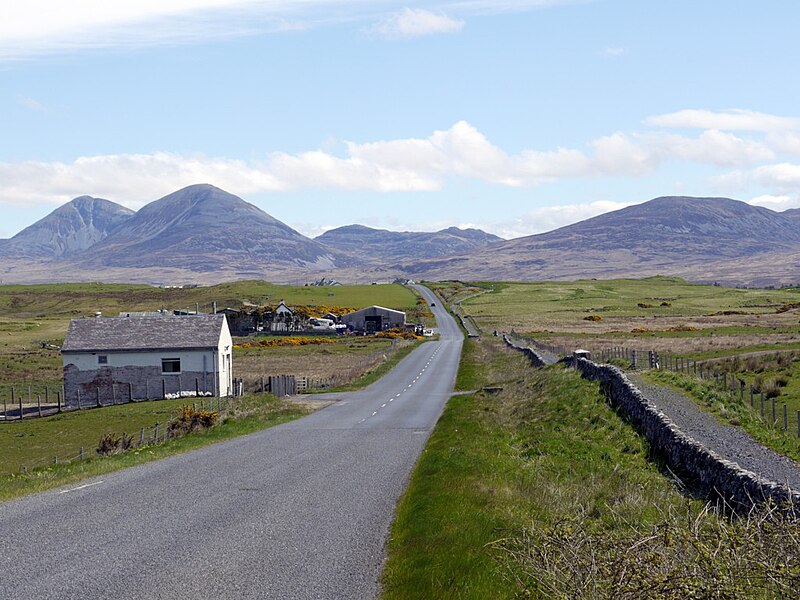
(781, 176)
(31, 104)
(777, 203)
(42, 27)
(547, 218)
(728, 120)
(407, 165)
(613, 52)
(413, 22)
(710, 147)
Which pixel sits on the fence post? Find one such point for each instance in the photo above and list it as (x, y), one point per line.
(58, 398)
(155, 433)
(762, 404)
(141, 437)
(163, 388)
(80, 454)
(752, 402)
(130, 392)
(97, 394)
(20, 404)
(113, 393)
(39, 404)
(79, 398)
(5, 409)
(196, 387)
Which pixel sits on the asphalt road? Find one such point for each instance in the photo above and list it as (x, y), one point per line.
(297, 511)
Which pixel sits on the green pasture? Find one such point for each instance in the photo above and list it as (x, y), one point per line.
(33, 302)
(35, 442)
(551, 305)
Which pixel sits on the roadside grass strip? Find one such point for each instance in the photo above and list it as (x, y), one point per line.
(26, 439)
(540, 490)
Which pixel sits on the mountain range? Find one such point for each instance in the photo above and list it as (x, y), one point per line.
(202, 234)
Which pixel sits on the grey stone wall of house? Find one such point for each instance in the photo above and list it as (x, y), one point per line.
(121, 384)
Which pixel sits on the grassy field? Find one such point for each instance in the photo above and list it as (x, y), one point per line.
(542, 491)
(35, 316)
(669, 313)
(696, 322)
(39, 439)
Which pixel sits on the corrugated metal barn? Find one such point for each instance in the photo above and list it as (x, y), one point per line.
(374, 318)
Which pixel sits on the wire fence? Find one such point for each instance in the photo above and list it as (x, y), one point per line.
(146, 436)
(762, 402)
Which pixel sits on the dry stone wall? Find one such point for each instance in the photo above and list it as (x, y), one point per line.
(537, 360)
(706, 471)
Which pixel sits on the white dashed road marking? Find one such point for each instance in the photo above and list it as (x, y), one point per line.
(80, 487)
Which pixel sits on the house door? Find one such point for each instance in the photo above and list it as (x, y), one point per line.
(373, 324)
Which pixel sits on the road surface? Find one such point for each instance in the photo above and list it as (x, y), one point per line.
(297, 511)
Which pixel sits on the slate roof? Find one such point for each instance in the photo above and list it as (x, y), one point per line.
(144, 333)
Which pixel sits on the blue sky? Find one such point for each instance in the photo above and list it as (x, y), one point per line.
(516, 116)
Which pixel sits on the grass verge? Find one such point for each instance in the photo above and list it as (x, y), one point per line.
(542, 491)
(245, 415)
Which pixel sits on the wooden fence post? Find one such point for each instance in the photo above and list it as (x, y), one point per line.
(39, 404)
(97, 394)
(163, 388)
(155, 433)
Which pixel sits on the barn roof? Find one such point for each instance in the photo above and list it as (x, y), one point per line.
(372, 311)
(144, 333)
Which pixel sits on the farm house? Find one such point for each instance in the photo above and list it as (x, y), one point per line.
(374, 318)
(134, 358)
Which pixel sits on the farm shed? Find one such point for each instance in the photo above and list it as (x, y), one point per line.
(374, 318)
(144, 357)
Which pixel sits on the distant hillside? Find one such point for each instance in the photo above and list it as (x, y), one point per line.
(381, 245)
(792, 213)
(202, 234)
(69, 229)
(203, 228)
(707, 237)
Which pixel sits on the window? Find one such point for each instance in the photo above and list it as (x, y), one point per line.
(170, 365)
(102, 359)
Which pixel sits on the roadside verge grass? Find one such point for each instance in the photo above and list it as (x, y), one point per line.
(245, 415)
(541, 491)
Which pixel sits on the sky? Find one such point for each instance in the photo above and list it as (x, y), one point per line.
(514, 116)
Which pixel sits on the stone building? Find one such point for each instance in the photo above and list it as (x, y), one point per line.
(138, 358)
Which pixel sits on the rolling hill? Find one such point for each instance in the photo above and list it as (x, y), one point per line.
(381, 245)
(202, 234)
